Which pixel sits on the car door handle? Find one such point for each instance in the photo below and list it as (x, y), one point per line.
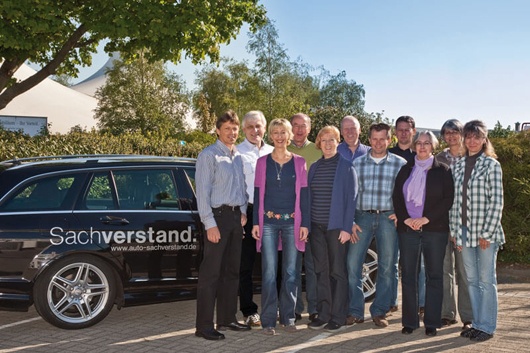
(117, 221)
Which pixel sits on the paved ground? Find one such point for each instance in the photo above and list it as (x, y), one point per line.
(170, 328)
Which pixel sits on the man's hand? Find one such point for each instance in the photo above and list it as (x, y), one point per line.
(393, 217)
(354, 236)
(255, 232)
(243, 219)
(213, 235)
(304, 232)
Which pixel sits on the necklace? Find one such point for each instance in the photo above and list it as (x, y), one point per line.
(278, 172)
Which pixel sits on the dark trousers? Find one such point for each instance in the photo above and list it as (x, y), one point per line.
(411, 245)
(332, 276)
(248, 257)
(219, 272)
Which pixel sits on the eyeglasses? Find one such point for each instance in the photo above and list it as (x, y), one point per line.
(426, 144)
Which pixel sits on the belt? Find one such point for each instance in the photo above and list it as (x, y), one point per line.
(225, 208)
(410, 230)
(376, 211)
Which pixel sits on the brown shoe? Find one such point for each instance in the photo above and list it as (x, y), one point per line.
(448, 322)
(393, 309)
(350, 320)
(380, 321)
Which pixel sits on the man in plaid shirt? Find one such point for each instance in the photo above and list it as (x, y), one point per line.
(374, 217)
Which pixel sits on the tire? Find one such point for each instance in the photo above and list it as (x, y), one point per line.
(75, 292)
(369, 274)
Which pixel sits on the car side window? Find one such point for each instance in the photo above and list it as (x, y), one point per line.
(146, 190)
(99, 194)
(41, 194)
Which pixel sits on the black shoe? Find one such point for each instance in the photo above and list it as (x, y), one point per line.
(448, 322)
(430, 331)
(407, 330)
(317, 324)
(481, 336)
(313, 317)
(210, 334)
(297, 317)
(468, 332)
(334, 327)
(234, 326)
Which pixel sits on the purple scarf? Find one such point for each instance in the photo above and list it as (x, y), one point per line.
(418, 177)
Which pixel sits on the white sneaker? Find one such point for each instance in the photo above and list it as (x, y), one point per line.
(253, 320)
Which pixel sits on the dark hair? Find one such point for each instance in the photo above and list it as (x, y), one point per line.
(452, 125)
(406, 119)
(230, 116)
(479, 129)
(380, 127)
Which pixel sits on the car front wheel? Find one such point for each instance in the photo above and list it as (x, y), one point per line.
(75, 292)
(369, 274)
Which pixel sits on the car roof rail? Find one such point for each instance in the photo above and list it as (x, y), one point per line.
(19, 161)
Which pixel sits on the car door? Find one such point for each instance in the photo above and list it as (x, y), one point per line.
(137, 215)
(35, 217)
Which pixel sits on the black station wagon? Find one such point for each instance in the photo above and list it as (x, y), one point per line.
(80, 234)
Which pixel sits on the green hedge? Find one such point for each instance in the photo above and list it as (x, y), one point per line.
(513, 152)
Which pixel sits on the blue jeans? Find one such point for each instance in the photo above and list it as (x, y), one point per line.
(272, 235)
(482, 279)
(384, 231)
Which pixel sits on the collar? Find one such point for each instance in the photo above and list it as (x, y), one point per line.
(295, 145)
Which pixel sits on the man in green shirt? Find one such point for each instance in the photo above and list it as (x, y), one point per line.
(302, 146)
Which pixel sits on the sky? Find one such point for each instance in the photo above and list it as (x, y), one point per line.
(432, 60)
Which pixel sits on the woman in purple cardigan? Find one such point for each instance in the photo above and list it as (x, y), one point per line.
(281, 222)
(423, 196)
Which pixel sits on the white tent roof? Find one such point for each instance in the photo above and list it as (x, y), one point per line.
(62, 106)
(96, 80)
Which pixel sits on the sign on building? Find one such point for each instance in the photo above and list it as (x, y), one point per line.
(30, 125)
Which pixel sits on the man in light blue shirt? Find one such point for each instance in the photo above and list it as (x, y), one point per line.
(222, 203)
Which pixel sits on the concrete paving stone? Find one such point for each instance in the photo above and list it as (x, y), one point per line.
(169, 327)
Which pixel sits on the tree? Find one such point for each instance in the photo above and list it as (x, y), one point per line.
(205, 118)
(60, 35)
(271, 61)
(141, 97)
(233, 85)
(338, 91)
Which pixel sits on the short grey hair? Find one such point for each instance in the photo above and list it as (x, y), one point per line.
(430, 136)
(254, 114)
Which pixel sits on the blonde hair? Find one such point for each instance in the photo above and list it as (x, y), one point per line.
(281, 123)
(327, 130)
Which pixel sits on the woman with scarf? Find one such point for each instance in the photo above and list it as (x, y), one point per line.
(423, 196)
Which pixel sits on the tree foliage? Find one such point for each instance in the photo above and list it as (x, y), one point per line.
(338, 91)
(60, 35)
(141, 97)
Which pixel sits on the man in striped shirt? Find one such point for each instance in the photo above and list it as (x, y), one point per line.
(374, 217)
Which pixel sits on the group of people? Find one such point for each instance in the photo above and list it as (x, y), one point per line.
(322, 204)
